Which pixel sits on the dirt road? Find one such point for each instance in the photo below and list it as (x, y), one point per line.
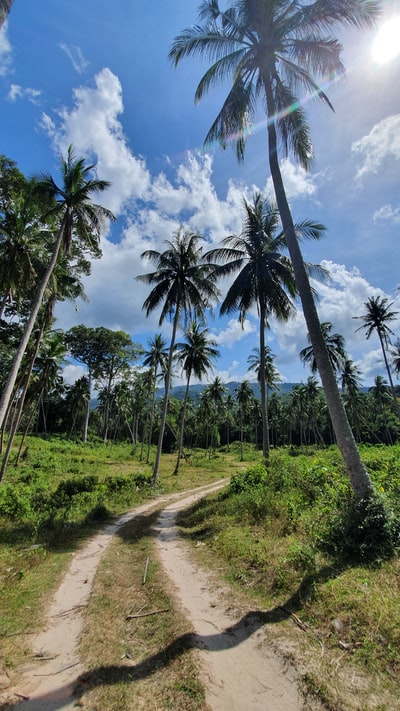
(238, 666)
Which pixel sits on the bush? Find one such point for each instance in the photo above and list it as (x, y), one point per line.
(365, 531)
(253, 478)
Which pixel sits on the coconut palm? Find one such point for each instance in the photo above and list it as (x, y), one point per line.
(265, 277)
(245, 399)
(376, 318)
(195, 356)
(185, 285)
(79, 219)
(334, 345)
(215, 392)
(155, 358)
(350, 376)
(20, 233)
(396, 358)
(272, 50)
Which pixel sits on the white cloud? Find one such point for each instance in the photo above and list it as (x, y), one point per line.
(18, 92)
(5, 51)
(71, 373)
(297, 182)
(388, 212)
(92, 127)
(233, 333)
(75, 55)
(340, 302)
(382, 141)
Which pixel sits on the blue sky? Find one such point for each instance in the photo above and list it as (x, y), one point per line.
(95, 75)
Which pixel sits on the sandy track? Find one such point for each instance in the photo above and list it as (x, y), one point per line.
(238, 667)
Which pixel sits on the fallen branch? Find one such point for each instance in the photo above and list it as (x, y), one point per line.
(146, 614)
(297, 620)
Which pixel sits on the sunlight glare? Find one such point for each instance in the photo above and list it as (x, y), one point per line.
(387, 42)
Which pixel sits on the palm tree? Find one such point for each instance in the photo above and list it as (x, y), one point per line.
(155, 358)
(5, 7)
(396, 358)
(186, 286)
(80, 219)
(334, 345)
(264, 278)
(19, 237)
(215, 392)
(195, 357)
(244, 399)
(376, 318)
(271, 375)
(350, 376)
(271, 49)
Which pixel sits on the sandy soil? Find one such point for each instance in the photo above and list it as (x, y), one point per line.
(237, 664)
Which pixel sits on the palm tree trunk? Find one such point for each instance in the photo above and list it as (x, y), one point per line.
(264, 407)
(87, 411)
(9, 386)
(182, 428)
(359, 477)
(166, 396)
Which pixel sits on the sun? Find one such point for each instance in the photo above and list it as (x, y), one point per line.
(387, 42)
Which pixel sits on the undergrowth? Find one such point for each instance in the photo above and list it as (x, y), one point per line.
(292, 536)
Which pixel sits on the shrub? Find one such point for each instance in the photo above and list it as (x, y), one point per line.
(365, 531)
(253, 478)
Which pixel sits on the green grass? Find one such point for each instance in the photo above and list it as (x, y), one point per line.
(272, 534)
(277, 535)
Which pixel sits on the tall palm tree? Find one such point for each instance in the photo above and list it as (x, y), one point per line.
(5, 7)
(264, 277)
(215, 392)
(269, 381)
(350, 376)
(79, 219)
(272, 50)
(20, 232)
(376, 317)
(396, 357)
(334, 345)
(244, 399)
(195, 356)
(185, 284)
(155, 358)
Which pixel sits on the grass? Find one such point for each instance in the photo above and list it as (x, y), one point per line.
(336, 619)
(339, 619)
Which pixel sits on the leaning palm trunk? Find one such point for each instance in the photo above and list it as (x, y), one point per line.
(9, 386)
(359, 478)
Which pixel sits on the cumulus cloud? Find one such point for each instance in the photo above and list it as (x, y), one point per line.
(382, 141)
(340, 302)
(298, 183)
(234, 332)
(93, 127)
